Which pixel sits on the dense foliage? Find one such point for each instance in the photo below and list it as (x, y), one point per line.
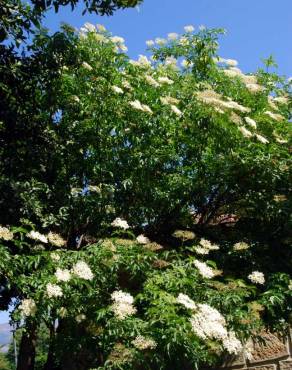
(147, 212)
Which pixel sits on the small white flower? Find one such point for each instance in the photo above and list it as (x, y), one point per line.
(183, 41)
(232, 344)
(172, 36)
(54, 290)
(28, 307)
(35, 235)
(189, 29)
(117, 89)
(75, 98)
(126, 84)
(150, 43)
(87, 66)
(250, 122)
(137, 105)
(160, 41)
(254, 88)
(165, 80)
(240, 246)
(118, 222)
(176, 110)
(261, 139)
(171, 62)
(204, 269)
(202, 27)
(186, 301)
(202, 251)
(143, 343)
(63, 312)
(55, 256)
(79, 318)
(82, 270)
(123, 47)
(208, 245)
(122, 310)
(142, 239)
(275, 116)
(5, 233)
(123, 304)
(245, 132)
(281, 99)
(150, 80)
(257, 277)
(117, 40)
(62, 275)
(231, 62)
(101, 28)
(143, 60)
(89, 27)
(122, 297)
(147, 109)
(56, 239)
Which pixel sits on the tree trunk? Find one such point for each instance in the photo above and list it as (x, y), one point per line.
(26, 357)
(50, 363)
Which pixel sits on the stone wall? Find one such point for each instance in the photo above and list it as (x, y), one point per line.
(273, 353)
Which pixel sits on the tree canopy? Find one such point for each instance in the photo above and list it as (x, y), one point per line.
(147, 216)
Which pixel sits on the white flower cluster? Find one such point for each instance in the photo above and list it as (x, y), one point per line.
(214, 99)
(5, 233)
(123, 304)
(150, 43)
(186, 301)
(250, 122)
(35, 235)
(250, 81)
(208, 323)
(189, 29)
(143, 343)
(257, 277)
(55, 256)
(261, 139)
(240, 246)
(120, 223)
(142, 239)
(53, 290)
(136, 104)
(117, 89)
(151, 81)
(79, 318)
(56, 239)
(82, 270)
(165, 80)
(206, 246)
(245, 132)
(176, 110)
(204, 269)
(160, 41)
(87, 66)
(63, 274)
(274, 116)
(28, 307)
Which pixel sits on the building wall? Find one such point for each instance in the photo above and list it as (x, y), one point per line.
(274, 354)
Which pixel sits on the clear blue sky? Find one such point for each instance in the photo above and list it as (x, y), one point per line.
(255, 28)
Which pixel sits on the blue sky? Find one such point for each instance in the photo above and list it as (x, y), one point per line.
(255, 29)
